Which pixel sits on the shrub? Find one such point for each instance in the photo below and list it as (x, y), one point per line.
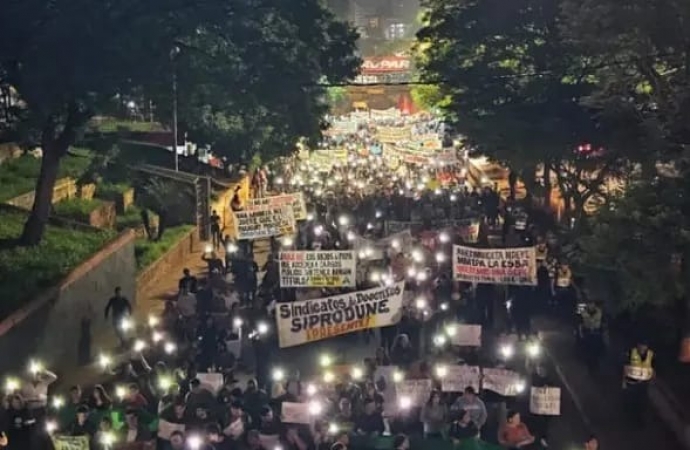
(18, 176)
(111, 191)
(130, 219)
(147, 252)
(26, 271)
(78, 209)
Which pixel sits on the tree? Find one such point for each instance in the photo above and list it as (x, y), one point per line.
(515, 86)
(427, 96)
(68, 59)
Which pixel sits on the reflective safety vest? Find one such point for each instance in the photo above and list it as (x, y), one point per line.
(640, 369)
(541, 250)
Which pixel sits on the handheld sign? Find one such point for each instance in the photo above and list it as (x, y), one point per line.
(70, 442)
(318, 269)
(417, 391)
(467, 336)
(295, 413)
(459, 377)
(501, 381)
(264, 222)
(639, 373)
(545, 401)
(212, 382)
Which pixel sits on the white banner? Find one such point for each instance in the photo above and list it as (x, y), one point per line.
(312, 320)
(497, 265)
(545, 401)
(417, 391)
(294, 200)
(459, 377)
(392, 134)
(211, 381)
(295, 413)
(467, 335)
(264, 222)
(330, 268)
(501, 381)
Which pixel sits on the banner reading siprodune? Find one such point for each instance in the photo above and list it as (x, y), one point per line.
(495, 265)
(318, 269)
(312, 320)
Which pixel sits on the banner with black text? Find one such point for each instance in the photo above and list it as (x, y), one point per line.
(263, 222)
(516, 266)
(331, 268)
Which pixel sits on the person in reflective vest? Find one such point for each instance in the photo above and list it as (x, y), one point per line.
(637, 373)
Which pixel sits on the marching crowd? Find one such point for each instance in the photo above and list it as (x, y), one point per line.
(184, 383)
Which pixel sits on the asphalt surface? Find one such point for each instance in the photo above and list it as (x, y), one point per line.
(598, 399)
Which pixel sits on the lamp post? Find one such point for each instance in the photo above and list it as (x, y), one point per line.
(173, 55)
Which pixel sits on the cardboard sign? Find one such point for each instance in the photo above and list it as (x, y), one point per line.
(459, 377)
(166, 429)
(330, 268)
(70, 442)
(545, 401)
(418, 391)
(501, 381)
(516, 266)
(212, 382)
(295, 413)
(307, 321)
(264, 222)
(467, 335)
(294, 201)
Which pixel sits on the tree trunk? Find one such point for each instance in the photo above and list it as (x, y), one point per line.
(43, 201)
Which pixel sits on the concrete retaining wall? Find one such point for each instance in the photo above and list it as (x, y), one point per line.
(64, 188)
(57, 325)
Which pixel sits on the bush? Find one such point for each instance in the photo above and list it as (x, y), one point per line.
(147, 252)
(18, 176)
(111, 191)
(78, 209)
(130, 219)
(26, 271)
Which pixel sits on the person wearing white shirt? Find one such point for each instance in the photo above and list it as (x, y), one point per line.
(35, 392)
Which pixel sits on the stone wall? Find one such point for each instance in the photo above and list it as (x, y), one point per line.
(57, 325)
(170, 261)
(64, 188)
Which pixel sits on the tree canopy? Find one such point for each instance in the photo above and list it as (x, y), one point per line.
(248, 72)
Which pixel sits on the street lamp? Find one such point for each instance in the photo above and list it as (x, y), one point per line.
(174, 52)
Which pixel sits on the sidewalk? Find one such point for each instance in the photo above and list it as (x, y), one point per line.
(599, 398)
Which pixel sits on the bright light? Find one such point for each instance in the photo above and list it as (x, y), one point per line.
(287, 241)
(325, 360)
(139, 345)
(35, 367)
(411, 272)
(237, 322)
(453, 197)
(398, 376)
(262, 327)
(311, 389)
(441, 371)
(375, 277)
(395, 244)
(421, 303)
(440, 340)
(278, 375)
(343, 221)
(444, 237)
(370, 226)
(208, 248)
(279, 180)
(440, 257)
(318, 230)
(169, 348)
(164, 383)
(156, 337)
(153, 321)
(405, 402)
(315, 408)
(420, 187)
(104, 361)
(310, 216)
(533, 349)
(120, 392)
(333, 428)
(378, 214)
(12, 384)
(51, 426)
(444, 306)
(351, 236)
(451, 330)
(232, 248)
(422, 276)
(328, 377)
(126, 324)
(507, 351)
(107, 439)
(194, 442)
(417, 256)
(357, 373)
(509, 304)
(437, 191)
(58, 402)
(520, 387)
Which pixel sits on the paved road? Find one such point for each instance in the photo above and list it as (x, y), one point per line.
(599, 398)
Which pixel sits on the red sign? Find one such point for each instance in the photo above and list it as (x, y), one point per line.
(388, 64)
